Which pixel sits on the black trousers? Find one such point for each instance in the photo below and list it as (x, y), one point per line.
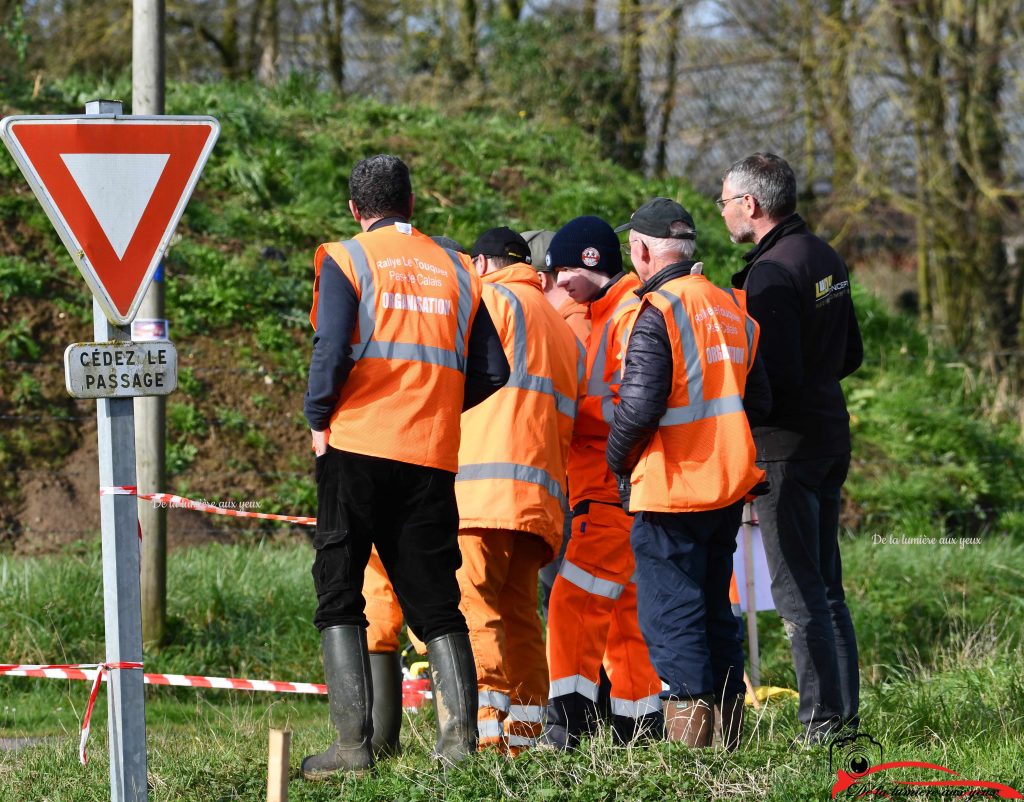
(409, 513)
(800, 524)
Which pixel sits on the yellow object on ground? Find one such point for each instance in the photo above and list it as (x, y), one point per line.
(764, 693)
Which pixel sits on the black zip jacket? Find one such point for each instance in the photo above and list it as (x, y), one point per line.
(487, 368)
(647, 381)
(798, 290)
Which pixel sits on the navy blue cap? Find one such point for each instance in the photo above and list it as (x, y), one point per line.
(586, 242)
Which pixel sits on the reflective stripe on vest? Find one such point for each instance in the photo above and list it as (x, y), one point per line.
(597, 387)
(369, 348)
(577, 683)
(367, 296)
(698, 408)
(531, 714)
(520, 740)
(495, 699)
(520, 378)
(490, 728)
(748, 326)
(511, 470)
(593, 585)
(635, 709)
(465, 303)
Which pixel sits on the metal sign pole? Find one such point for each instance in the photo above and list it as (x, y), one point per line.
(122, 606)
(748, 565)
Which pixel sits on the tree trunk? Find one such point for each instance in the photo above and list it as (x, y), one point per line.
(919, 45)
(270, 43)
(467, 62)
(668, 101)
(634, 125)
(333, 12)
(590, 15)
(981, 148)
(229, 49)
(839, 107)
(510, 10)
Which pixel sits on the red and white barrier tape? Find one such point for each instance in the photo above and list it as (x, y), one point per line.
(97, 673)
(188, 504)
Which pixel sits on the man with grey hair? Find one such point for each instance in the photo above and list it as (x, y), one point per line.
(681, 446)
(665, 234)
(798, 290)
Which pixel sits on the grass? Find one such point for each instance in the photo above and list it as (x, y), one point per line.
(940, 627)
(941, 646)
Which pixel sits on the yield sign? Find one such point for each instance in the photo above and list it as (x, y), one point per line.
(114, 187)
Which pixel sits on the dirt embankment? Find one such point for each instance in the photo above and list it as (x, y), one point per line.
(235, 439)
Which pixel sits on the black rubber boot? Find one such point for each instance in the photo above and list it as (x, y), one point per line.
(649, 727)
(569, 717)
(347, 672)
(729, 721)
(453, 677)
(386, 670)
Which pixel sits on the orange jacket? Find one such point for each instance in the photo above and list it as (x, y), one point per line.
(403, 398)
(702, 455)
(514, 444)
(611, 317)
(576, 316)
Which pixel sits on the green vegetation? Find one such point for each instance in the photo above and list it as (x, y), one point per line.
(931, 456)
(939, 625)
(932, 451)
(940, 629)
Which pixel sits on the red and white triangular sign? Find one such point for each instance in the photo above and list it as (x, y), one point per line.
(115, 188)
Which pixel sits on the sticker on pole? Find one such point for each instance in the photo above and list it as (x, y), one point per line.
(114, 187)
(120, 369)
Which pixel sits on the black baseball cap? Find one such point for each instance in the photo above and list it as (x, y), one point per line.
(662, 218)
(502, 241)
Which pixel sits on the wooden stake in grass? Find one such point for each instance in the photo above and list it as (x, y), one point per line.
(277, 765)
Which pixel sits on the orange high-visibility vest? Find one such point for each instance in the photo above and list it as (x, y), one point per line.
(702, 455)
(576, 316)
(611, 317)
(514, 444)
(417, 301)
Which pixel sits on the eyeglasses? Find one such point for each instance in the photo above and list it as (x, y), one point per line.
(720, 203)
(627, 246)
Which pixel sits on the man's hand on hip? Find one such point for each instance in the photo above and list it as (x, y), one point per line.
(319, 442)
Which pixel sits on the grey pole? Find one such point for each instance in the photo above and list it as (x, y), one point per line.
(151, 411)
(748, 568)
(126, 712)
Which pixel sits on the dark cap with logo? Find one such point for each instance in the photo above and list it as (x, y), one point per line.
(586, 242)
(501, 241)
(662, 218)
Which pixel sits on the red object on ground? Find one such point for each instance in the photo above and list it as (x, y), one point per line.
(414, 693)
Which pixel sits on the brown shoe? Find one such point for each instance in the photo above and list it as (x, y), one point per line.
(689, 720)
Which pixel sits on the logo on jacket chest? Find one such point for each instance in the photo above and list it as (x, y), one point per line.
(828, 288)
